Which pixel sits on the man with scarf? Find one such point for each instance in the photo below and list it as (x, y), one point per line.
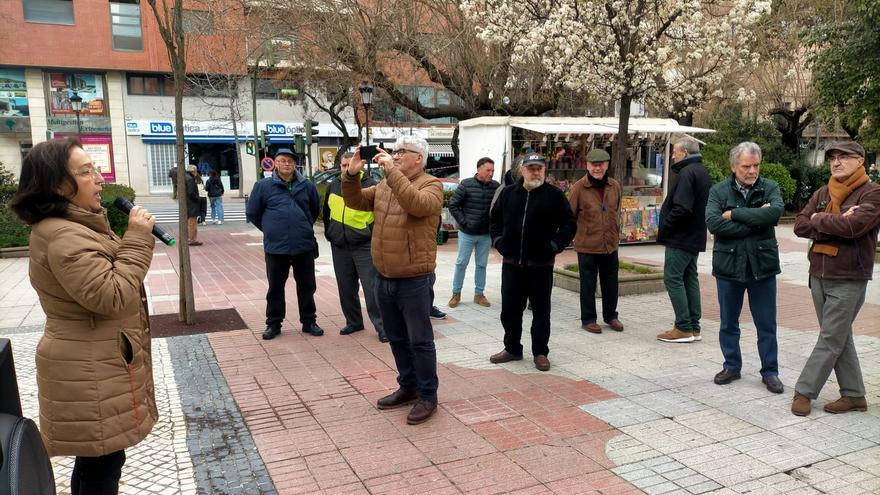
(842, 219)
(742, 214)
(682, 231)
(595, 203)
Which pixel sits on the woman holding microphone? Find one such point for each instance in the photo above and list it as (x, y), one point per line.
(94, 365)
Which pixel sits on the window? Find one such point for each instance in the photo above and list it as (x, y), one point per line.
(48, 11)
(209, 86)
(266, 90)
(198, 22)
(150, 84)
(125, 21)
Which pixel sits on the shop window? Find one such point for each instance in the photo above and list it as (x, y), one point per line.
(150, 84)
(89, 87)
(198, 22)
(48, 11)
(125, 22)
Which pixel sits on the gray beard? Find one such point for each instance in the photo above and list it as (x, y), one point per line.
(532, 184)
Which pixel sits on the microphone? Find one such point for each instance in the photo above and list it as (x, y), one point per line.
(125, 206)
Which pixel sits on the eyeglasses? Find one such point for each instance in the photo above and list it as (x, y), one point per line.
(88, 173)
(401, 151)
(840, 158)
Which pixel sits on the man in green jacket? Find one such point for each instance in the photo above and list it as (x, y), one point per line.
(742, 214)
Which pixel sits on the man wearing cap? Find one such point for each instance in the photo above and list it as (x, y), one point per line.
(406, 205)
(530, 224)
(595, 203)
(284, 207)
(842, 219)
(682, 231)
(469, 206)
(742, 214)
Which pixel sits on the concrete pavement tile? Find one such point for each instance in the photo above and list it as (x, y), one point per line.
(667, 436)
(621, 412)
(667, 403)
(866, 460)
(824, 438)
(492, 473)
(550, 463)
(716, 424)
(776, 451)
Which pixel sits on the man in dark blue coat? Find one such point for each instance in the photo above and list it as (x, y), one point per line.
(285, 207)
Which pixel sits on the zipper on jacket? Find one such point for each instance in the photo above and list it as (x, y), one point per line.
(522, 235)
(137, 414)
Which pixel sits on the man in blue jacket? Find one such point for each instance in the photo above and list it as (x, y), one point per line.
(742, 214)
(285, 207)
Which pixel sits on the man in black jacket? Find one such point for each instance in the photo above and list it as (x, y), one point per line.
(470, 208)
(530, 224)
(350, 232)
(683, 232)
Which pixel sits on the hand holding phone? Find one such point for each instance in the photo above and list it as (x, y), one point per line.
(369, 152)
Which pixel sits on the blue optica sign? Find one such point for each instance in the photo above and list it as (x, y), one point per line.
(161, 128)
(276, 129)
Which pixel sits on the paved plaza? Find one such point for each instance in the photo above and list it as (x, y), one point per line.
(617, 413)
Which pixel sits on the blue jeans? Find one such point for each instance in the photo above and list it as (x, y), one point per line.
(466, 244)
(762, 301)
(405, 306)
(216, 207)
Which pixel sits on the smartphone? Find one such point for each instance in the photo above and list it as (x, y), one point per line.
(369, 152)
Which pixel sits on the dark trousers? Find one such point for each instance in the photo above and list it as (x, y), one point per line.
(353, 265)
(97, 475)
(762, 302)
(277, 269)
(683, 286)
(606, 266)
(520, 284)
(405, 305)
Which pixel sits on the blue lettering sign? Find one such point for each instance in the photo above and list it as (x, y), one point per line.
(161, 128)
(275, 129)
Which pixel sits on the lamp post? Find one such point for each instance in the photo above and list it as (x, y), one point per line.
(76, 102)
(366, 90)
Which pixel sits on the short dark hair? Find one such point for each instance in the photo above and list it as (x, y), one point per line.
(43, 173)
(212, 174)
(485, 160)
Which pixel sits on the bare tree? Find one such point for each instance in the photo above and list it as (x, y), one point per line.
(169, 19)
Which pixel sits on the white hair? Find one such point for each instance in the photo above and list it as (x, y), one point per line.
(414, 143)
(744, 148)
(688, 144)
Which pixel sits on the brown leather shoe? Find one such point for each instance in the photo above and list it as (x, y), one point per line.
(454, 300)
(846, 404)
(592, 327)
(420, 412)
(399, 398)
(800, 405)
(503, 357)
(482, 301)
(616, 325)
(542, 363)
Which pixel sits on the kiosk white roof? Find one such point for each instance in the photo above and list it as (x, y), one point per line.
(585, 125)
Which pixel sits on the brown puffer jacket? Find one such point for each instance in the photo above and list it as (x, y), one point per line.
(406, 211)
(598, 222)
(94, 365)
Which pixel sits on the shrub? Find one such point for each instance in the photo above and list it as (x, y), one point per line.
(808, 179)
(13, 233)
(118, 220)
(779, 174)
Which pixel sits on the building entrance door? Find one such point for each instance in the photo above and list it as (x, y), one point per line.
(161, 157)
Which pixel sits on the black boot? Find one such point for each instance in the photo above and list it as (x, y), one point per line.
(271, 332)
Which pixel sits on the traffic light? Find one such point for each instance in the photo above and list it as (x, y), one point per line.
(312, 131)
(262, 140)
(249, 147)
(298, 144)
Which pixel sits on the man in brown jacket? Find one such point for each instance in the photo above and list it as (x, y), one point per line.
(406, 206)
(842, 219)
(595, 202)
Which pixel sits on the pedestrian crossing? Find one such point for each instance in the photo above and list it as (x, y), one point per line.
(167, 213)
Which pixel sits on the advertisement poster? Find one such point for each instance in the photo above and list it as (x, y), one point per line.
(100, 148)
(13, 93)
(90, 87)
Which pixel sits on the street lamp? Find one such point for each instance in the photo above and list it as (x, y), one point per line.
(366, 90)
(76, 102)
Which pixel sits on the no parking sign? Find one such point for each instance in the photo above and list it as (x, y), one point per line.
(267, 164)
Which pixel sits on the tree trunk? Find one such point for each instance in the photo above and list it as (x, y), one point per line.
(621, 142)
(186, 302)
(454, 145)
(237, 150)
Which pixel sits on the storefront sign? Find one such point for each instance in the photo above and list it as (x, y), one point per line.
(216, 128)
(100, 148)
(13, 93)
(15, 124)
(88, 124)
(89, 87)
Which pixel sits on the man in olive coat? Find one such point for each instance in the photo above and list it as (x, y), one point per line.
(742, 214)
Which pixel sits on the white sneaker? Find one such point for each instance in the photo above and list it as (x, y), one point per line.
(219, 222)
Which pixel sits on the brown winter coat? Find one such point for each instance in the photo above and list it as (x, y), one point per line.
(94, 366)
(406, 211)
(598, 228)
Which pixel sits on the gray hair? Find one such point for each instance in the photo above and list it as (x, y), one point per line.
(688, 144)
(744, 148)
(414, 143)
(347, 154)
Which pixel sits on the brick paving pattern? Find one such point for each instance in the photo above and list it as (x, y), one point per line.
(618, 413)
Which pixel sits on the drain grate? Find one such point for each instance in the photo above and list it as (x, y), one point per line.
(214, 320)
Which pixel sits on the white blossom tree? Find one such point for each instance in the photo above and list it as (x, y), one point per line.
(672, 54)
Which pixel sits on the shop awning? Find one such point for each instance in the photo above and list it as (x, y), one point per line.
(440, 149)
(193, 139)
(596, 128)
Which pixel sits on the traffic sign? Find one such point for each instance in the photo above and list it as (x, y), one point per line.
(267, 164)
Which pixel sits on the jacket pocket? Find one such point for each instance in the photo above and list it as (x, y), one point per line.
(724, 260)
(767, 258)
